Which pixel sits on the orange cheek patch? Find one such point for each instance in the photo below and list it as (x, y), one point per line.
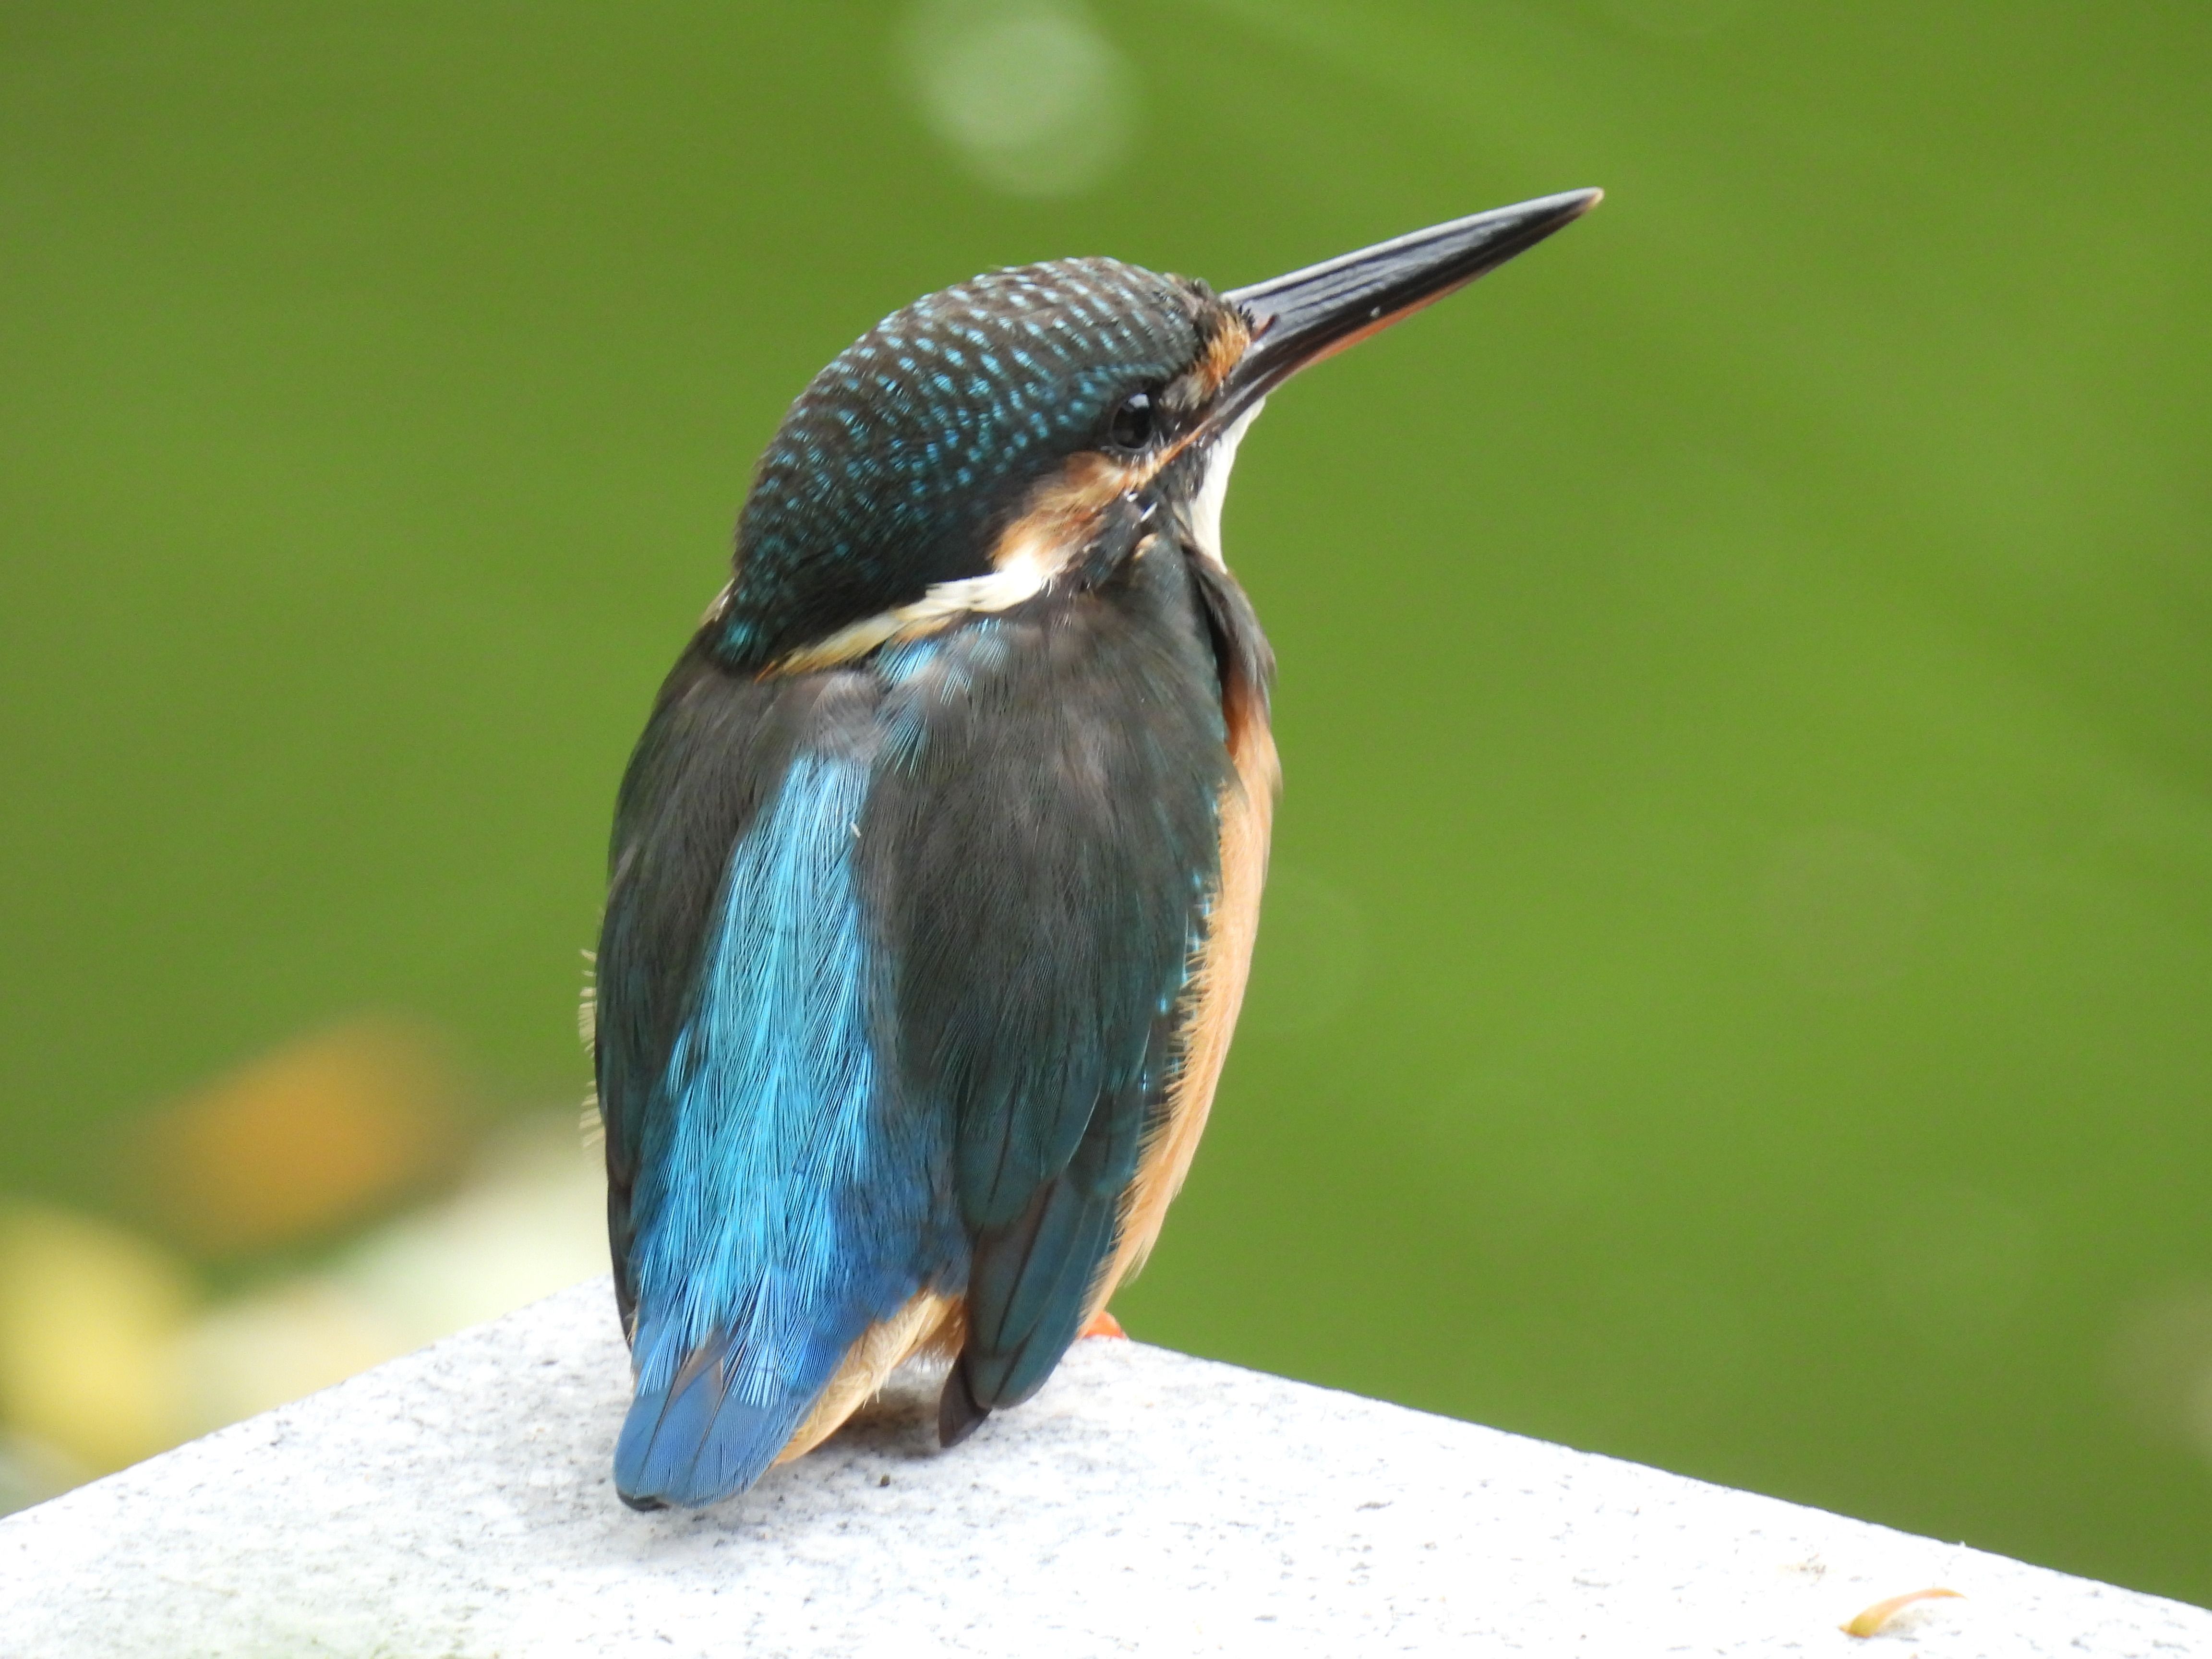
(1057, 521)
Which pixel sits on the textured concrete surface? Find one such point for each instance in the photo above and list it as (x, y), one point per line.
(456, 1502)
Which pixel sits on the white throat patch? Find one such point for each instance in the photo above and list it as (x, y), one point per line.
(1213, 491)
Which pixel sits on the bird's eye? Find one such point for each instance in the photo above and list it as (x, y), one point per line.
(1131, 427)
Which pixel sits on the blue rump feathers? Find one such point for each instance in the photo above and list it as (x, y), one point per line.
(775, 1228)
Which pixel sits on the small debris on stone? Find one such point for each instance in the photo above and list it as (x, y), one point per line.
(1870, 1621)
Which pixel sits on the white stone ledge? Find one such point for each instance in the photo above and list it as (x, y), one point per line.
(457, 1502)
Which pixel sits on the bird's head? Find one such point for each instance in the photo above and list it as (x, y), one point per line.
(970, 451)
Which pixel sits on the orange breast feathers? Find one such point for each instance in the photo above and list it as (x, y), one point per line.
(1216, 990)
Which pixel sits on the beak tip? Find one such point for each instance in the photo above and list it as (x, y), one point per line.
(1312, 314)
(1558, 212)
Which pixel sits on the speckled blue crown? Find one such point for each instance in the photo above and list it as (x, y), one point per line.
(894, 469)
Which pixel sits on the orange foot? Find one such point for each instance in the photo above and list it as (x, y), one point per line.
(1102, 1324)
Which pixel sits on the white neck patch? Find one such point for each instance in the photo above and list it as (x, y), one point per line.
(1213, 491)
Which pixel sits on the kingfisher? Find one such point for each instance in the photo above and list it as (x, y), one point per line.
(935, 874)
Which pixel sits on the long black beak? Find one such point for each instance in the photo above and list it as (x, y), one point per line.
(1315, 313)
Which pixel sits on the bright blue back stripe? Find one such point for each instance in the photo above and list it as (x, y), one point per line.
(751, 1240)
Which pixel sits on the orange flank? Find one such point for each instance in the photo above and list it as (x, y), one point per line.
(1216, 988)
(1102, 1324)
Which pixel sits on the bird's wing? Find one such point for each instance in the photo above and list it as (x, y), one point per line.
(1050, 847)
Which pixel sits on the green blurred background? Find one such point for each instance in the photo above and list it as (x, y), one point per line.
(1737, 988)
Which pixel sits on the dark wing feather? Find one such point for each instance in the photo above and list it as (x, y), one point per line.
(1032, 1279)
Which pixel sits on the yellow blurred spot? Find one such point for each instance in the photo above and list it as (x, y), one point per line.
(279, 1346)
(322, 1131)
(532, 1220)
(1870, 1621)
(89, 1318)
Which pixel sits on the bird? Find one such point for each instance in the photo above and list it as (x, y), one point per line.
(936, 871)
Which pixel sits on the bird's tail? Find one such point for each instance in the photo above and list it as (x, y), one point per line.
(715, 1426)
